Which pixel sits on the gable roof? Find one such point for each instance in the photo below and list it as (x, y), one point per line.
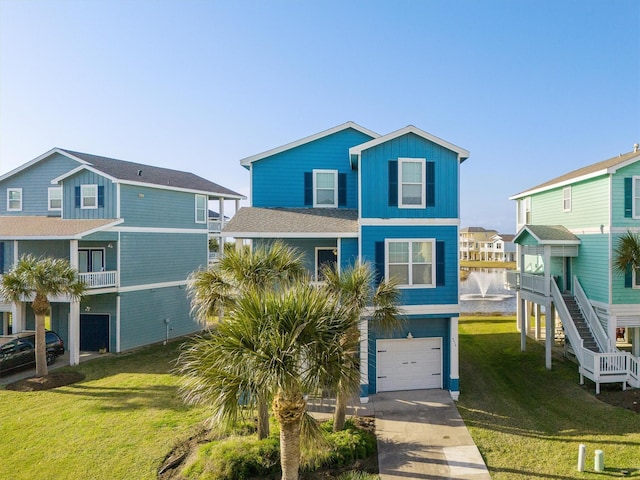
(590, 171)
(121, 171)
(40, 227)
(256, 222)
(462, 153)
(245, 162)
(548, 235)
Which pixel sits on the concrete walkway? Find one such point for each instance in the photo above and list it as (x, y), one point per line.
(420, 436)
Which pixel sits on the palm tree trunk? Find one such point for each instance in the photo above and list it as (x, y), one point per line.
(263, 418)
(290, 450)
(41, 348)
(340, 411)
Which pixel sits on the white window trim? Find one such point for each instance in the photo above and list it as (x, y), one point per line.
(317, 252)
(49, 191)
(83, 196)
(566, 199)
(634, 279)
(9, 190)
(423, 161)
(432, 241)
(635, 194)
(206, 213)
(335, 189)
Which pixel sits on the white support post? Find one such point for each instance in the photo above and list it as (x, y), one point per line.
(364, 360)
(634, 338)
(454, 376)
(74, 333)
(523, 323)
(18, 313)
(538, 321)
(549, 334)
(118, 344)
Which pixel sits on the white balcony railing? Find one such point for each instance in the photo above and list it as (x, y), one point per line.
(98, 279)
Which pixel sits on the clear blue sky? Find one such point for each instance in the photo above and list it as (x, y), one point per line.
(533, 88)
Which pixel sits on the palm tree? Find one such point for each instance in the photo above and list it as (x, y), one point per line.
(627, 253)
(354, 289)
(289, 341)
(216, 291)
(41, 278)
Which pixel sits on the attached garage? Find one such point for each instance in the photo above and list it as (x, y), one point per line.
(408, 364)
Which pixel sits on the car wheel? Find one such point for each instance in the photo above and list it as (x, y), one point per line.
(51, 357)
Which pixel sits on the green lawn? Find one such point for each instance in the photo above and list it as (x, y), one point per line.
(528, 421)
(117, 424)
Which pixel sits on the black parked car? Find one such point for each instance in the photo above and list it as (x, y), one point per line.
(21, 352)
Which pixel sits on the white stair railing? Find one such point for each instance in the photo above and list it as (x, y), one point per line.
(570, 330)
(591, 318)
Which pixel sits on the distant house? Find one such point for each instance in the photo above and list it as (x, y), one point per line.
(348, 194)
(482, 245)
(568, 231)
(133, 231)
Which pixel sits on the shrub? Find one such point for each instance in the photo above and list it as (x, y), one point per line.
(358, 476)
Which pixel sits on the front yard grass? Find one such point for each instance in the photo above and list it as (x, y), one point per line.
(528, 421)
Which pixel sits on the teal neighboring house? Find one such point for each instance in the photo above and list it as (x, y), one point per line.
(134, 232)
(568, 232)
(347, 194)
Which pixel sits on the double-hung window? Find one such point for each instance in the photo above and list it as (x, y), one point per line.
(636, 278)
(411, 262)
(88, 196)
(14, 199)
(412, 175)
(325, 188)
(55, 198)
(201, 209)
(566, 199)
(636, 197)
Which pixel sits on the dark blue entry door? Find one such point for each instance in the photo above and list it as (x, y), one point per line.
(94, 332)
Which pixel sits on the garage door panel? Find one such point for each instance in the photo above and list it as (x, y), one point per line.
(409, 364)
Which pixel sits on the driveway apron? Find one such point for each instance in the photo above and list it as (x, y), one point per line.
(422, 436)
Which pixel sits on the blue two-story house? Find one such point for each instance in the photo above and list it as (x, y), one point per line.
(348, 193)
(134, 232)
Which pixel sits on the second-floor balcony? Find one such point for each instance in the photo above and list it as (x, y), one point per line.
(532, 282)
(98, 279)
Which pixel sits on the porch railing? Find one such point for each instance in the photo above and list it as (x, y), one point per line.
(215, 226)
(98, 279)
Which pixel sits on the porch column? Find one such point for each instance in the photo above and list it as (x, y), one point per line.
(522, 311)
(454, 376)
(538, 322)
(74, 333)
(73, 254)
(364, 360)
(18, 313)
(221, 208)
(634, 337)
(118, 343)
(549, 332)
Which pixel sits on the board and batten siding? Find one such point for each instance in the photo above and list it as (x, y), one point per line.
(618, 197)
(148, 258)
(420, 327)
(375, 178)
(143, 314)
(589, 205)
(348, 252)
(158, 208)
(278, 180)
(35, 181)
(85, 177)
(440, 295)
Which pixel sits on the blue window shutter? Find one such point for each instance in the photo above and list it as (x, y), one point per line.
(379, 262)
(439, 263)
(431, 184)
(1, 257)
(628, 197)
(393, 183)
(342, 189)
(78, 197)
(308, 188)
(100, 195)
(628, 276)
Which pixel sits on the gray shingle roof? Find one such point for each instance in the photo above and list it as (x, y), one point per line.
(20, 227)
(549, 234)
(140, 173)
(278, 222)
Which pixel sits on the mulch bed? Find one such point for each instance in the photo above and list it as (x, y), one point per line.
(53, 380)
(614, 395)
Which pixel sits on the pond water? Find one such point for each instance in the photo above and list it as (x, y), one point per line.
(484, 292)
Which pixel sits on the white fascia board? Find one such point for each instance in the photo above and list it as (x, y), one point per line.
(179, 189)
(245, 162)
(445, 309)
(200, 231)
(79, 169)
(462, 153)
(149, 286)
(291, 234)
(38, 159)
(75, 236)
(109, 226)
(564, 183)
(416, 222)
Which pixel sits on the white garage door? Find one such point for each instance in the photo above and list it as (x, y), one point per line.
(409, 364)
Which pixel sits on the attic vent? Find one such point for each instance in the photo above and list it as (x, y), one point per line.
(635, 147)
(139, 173)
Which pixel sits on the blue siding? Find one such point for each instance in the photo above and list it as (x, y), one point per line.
(84, 177)
(158, 208)
(375, 178)
(148, 258)
(287, 169)
(143, 314)
(35, 182)
(446, 294)
(307, 246)
(420, 327)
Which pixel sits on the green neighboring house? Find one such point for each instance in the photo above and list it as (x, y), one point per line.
(568, 229)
